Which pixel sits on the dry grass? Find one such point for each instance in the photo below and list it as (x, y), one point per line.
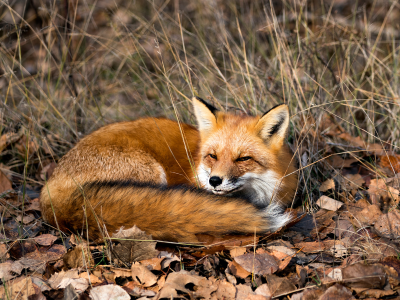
(68, 68)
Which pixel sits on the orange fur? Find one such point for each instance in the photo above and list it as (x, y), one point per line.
(117, 175)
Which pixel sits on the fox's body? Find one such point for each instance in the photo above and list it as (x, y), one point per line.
(121, 175)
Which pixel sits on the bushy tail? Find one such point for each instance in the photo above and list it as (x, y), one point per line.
(170, 214)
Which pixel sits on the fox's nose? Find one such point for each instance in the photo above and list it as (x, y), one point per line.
(215, 181)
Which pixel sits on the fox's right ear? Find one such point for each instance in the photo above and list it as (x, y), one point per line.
(274, 124)
(205, 115)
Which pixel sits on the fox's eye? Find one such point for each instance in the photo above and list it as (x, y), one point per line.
(212, 156)
(244, 158)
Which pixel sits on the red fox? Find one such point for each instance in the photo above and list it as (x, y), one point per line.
(140, 173)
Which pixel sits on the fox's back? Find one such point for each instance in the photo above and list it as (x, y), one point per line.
(150, 150)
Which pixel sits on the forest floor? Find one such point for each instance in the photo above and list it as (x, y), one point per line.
(70, 68)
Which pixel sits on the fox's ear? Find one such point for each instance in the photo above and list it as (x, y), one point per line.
(205, 115)
(274, 124)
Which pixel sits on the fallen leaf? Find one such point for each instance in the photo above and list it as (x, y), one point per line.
(388, 225)
(243, 292)
(263, 290)
(37, 260)
(237, 251)
(364, 276)
(351, 182)
(80, 256)
(90, 277)
(237, 270)
(310, 247)
(392, 162)
(5, 183)
(9, 270)
(338, 163)
(79, 284)
(369, 215)
(354, 141)
(339, 251)
(9, 138)
(143, 275)
(56, 278)
(327, 185)
(336, 274)
(329, 203)
(183, 282)
(152, 263)
(26, 219)
(225, 290)
(376, 149)
(281, 258)
(34, 205)
(279, 285)
(134, 245)
(260, 264)
(337, 292)
(20, 288)
(45, 239)
(106, 292)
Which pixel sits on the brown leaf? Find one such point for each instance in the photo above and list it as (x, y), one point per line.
(282, 258)
(310, 247)
(8, 139)
(354, 141)
(260, 264)
(153, 263)
(10, 269)
(20, 288)
(37, 260)
(338, 163)
(364, 276)
(392, 162)
(337, 292)
(279, 285)
(45, 239)
(380, 189)
(110, 291)
(80, 256)
(225, 290)
(243, 292)
(351, 181)
(237, 251)
(200, 287)
(25, 219)
(327, 185)
(34, 205)
(134, 245)
(373, 293)
(329, 203)
(388, 225)
(90, 277)
(143, 275)
(237, 270)
(369, 215)
(56, 278)
(5, 183)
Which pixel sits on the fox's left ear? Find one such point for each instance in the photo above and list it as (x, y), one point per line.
(273, 125)
(205, 115)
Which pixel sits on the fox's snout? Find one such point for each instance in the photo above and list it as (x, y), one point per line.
(215, 181)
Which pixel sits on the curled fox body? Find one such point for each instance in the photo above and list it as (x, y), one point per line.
(145, 173)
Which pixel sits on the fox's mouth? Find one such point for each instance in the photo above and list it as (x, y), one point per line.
(224, 192)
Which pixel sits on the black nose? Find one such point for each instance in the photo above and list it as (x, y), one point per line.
(215, 181)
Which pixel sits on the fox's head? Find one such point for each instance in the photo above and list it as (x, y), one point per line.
(245, 155)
